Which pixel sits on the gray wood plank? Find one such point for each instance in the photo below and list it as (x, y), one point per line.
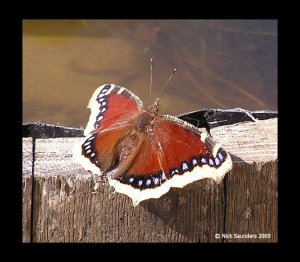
(27, 189)
(251, 196)
(71, 207)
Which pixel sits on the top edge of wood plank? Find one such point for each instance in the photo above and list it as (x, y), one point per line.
(205, 118)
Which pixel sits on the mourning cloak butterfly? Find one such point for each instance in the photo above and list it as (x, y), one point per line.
(143, 154)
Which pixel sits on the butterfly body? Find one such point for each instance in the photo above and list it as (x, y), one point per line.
(144, 154)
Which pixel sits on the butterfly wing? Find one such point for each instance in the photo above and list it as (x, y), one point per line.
(111, 105)
(173, 155)
(145, 164)
(113, 109)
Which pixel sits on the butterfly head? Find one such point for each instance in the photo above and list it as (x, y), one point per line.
(146, 120)
(154, 107)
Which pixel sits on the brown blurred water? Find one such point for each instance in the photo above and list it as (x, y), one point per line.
(220, 64)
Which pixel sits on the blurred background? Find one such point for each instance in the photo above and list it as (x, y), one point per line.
(220, 64)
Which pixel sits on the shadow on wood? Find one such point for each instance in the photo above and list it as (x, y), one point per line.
(192, 214)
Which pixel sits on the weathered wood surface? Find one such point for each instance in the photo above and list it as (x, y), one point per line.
(27, 189)
(70, 204)
(251, 199)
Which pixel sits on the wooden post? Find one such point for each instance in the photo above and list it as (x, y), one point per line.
(64, 203)
(27, 180)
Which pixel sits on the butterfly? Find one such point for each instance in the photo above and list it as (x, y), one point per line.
(142, 153)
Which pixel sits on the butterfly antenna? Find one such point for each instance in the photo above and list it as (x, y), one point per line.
(151, 69)
(173, 73)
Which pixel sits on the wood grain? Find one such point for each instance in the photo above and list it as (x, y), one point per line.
(72, 205)
(251, 197)
(27, 189)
